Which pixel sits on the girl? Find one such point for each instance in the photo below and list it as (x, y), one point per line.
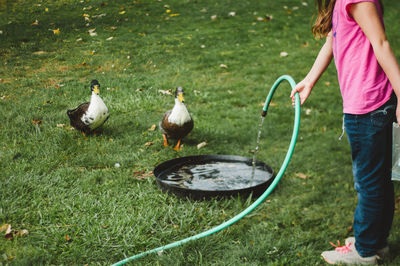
(369, 79)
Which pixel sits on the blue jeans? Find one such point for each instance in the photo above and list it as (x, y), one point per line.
(370, 138)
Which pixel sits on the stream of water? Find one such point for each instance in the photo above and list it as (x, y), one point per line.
(253, 163)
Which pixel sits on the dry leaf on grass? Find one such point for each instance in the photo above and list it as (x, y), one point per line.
(142, 174)
(92, 32)
(301, 175)
(23, 232)
(201, 145)
(152, 128)
(4, 227)
(165, 92)
(39, 52)
(9, 233)
(149, 143)
(36, 122)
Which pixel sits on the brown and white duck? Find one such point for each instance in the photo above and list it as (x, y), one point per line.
(176, 123)
(90, 115)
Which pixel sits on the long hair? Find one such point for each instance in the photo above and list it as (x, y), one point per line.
(323, 22)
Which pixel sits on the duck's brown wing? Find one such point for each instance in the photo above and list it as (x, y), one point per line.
(75, 116)
(164, 121)
(173, 130)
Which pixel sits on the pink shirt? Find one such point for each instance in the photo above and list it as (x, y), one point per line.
(363, 84)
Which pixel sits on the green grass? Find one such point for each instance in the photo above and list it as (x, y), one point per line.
(79, 208)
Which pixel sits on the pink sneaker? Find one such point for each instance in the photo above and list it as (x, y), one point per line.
(347, 255)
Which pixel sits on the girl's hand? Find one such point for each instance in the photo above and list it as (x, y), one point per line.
(304, 89)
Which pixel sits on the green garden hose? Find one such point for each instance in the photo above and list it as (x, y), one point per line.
(262, 197)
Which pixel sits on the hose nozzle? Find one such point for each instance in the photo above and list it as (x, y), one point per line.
(263, 113)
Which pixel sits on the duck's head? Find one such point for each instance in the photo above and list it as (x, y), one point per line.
(95, 87)
(179, 94)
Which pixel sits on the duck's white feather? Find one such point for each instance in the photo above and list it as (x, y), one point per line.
(179, 114)
(97, 112)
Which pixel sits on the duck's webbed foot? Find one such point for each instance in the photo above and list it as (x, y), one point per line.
(177, 147)
(165, 143)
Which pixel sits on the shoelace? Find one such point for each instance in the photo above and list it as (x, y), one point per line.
(342, 249)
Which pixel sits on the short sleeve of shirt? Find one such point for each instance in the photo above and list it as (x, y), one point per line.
(348, 4)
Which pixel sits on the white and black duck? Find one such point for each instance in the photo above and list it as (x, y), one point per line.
(176, 123)
(90, 115)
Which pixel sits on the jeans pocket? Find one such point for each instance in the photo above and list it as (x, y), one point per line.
(382, 116)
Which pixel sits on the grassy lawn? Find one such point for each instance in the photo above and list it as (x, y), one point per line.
(64, 188)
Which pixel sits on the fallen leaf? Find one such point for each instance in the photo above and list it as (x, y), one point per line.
(60, 125)
(4, 227)
(268, 18)
(56, 31)
(142, 174)
(9, 235)
(174, 15)
(349, 228)
(92, 32)
(152, 128)
(110, 38)
(213, 17)
(223, 66)
(165, 92)
(122, 12)
(283, 54)
(67, 238)
(232, 14)
(36, 122)
(149, 143)
(35, 23)
(308, 111)
(301, 175)
(23, 232)
(39, 52)
(201, 145)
